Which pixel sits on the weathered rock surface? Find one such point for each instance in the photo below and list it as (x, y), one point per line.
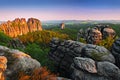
(20, 26)
(86, 64)
(62, 25)
(96, 34)
(98, 53)
(109, 70)
(115, 50)
(104, 70)
(63, 52)
(18, 61)
(3, 66)
(34, 24)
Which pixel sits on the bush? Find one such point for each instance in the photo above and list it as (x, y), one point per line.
(42, 38)
(36, 52)
(107, 43)
(38, 74)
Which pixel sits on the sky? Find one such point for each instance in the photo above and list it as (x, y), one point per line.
(60, 9)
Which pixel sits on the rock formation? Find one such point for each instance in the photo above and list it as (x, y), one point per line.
(88, 69)
(63, 53)
(34, 24)
(115, 50)
(98, 53)
(20, 26)
(17, 62)
(3, 66)
(62, 25)
(96, 34)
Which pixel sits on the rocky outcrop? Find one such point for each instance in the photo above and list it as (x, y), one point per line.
(62, 25)
(96, 34)
(64, 51)
(98, 53)
(17, 62)
(100, 70)
(34, 24)
(3, 66)
(86, 64)
(20, 26)
(115, 50)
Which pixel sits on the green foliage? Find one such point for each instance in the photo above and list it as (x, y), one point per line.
(42, 38)
(36, 52)
(107, 43)
(71, 29)
(82, 40)
(4, 39)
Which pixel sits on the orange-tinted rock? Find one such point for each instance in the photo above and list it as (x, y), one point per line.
(20, 26)
(17, 62)
(3, 66)
(108, 32)
(62, 25)
(34, 24)
(95, 36)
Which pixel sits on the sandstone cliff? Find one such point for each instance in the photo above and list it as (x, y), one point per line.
(20, 26)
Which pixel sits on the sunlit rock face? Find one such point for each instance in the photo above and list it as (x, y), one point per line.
(17, 62)
(62, 25)
(108, 32)
(20, 26)
(96, 34)
(34, 24)
(3, 66)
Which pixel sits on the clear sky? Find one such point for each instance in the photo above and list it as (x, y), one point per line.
(60, 9)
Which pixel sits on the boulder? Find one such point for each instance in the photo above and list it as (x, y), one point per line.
(109, 70)
(63, 52)
(85, 64)
(98, 53)
(3, 66)
(18, 62)
(115, 50)
(82, 70)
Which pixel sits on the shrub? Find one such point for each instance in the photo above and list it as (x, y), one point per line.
(36, 52)
(41, 37)
(107, 43)
(38, 74)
